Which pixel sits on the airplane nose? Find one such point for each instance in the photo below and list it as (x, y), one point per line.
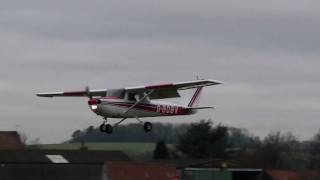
(93, 103)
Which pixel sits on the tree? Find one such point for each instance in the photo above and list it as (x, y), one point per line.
(201, 140)
(278, 151)
(161, 150)
(23, 137)
(76, 135)
(241, 138)
(314, 151)
(90, 130)
(35, 141)
(130, 133)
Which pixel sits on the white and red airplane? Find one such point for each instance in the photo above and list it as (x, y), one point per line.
(136, 102)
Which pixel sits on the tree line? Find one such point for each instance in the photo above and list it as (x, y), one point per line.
(206, 140)
(131, 133)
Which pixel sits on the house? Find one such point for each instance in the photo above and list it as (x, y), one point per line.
(290, 175)
(55, 164)
(122, 170)
(10, 140)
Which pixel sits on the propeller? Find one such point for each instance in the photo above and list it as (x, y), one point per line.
(93, 102)
(89, 95)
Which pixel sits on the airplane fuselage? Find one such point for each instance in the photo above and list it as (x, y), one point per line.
(139, 101)
(115, 108)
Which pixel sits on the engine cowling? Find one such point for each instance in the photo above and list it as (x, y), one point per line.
(93, 104)
(94, 101)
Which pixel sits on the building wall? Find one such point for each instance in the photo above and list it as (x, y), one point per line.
(219, 174)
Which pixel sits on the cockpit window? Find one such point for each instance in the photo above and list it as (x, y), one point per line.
(119, 93)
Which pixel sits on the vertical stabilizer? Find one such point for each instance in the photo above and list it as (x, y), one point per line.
(195, 98)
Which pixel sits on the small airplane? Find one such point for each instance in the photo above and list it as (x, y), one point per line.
(136, 102)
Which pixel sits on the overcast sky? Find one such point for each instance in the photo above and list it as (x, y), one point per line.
(266, 52)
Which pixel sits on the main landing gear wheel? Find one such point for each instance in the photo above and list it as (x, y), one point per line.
(103, 127)
(107, 128)
(147, 126)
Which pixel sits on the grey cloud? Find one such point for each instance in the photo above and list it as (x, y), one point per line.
(258, 26)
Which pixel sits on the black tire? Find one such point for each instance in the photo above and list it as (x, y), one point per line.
(109, 129)
(147, 126)
(103, 128)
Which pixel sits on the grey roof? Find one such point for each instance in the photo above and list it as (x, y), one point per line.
(71, 156)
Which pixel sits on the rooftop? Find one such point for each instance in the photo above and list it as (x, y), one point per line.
(60, 156)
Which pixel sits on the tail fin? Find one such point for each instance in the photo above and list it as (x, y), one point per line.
(195, 98)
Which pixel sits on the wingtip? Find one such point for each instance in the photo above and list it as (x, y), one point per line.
(43, 95)
(215, 81)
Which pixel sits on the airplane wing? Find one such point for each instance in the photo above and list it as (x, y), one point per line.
(162, 91)
(159, 91)
(93, 92)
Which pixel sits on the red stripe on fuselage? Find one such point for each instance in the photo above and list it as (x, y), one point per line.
(153, 108)
(140, 107)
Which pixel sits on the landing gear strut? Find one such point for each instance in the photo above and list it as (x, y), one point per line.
(107, 128)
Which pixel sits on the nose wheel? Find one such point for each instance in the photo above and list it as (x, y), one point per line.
(106, 128)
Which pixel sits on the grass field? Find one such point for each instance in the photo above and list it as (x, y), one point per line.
(128, 148)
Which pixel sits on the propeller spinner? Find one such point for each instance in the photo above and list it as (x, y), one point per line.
(92, 102)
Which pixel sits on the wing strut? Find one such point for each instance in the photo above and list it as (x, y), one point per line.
(140, 100)
(131, 107)
(116, 124)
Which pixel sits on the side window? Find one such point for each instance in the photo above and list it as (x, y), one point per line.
(131, 97)
(119, 93)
